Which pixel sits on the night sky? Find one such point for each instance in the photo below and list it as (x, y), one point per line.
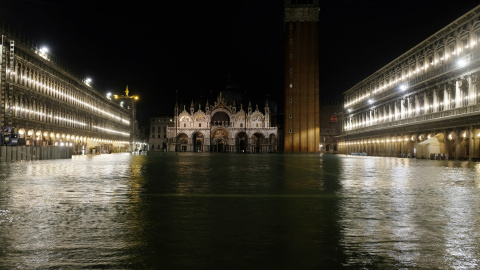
(198, 47)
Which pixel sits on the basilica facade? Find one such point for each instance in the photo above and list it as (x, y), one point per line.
(222, 127)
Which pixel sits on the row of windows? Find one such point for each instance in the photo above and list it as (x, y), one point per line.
(42, 112)
(416, 105)
(159, 129)
(443, 52)
(159, 136)
(27, 76)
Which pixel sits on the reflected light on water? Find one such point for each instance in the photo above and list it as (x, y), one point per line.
(243, 211)
(416, 212)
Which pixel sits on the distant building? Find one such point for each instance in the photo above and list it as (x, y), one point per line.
(301, 97)
(425, 103)
(329, 127)
(158, 140)
(224, 126)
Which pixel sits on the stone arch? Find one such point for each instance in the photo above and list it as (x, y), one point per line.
(29, 136)
(21, 135)
(182, 142)
(198, 141)
(241, 142)
(258, 140)
(38, 137)
(219, 139)
(220, 118)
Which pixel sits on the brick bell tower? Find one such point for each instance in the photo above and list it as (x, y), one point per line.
(302, 102)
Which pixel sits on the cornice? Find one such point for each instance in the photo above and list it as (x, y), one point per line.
(301, 13)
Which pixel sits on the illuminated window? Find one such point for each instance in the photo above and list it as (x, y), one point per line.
(440, 54)
(451, 49)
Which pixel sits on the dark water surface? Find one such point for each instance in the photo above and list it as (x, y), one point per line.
(239, 211)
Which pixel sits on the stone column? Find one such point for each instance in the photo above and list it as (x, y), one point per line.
(458, 149)
(458, 96)
(450, 90)
(470, 91)
(474, 86)
(471, 145)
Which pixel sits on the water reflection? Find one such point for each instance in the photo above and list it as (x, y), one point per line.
(414, 214)
(228, 211)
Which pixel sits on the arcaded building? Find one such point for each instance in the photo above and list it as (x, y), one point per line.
(48, 105)
(301, 93)
(425, 103)
(224, 126)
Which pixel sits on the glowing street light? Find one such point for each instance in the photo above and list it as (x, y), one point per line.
(42, 52)
(87, 81)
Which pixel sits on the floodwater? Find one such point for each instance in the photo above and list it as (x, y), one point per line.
(239, 211)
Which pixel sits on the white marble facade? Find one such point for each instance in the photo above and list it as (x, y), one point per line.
(222, 127)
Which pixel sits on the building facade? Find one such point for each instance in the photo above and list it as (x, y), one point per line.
(425, 103)
(329, 127)
(222, 127)
(301, 96)
(158, 133)
(48, 105)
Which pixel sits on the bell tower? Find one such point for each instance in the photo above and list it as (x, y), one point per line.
(302, 102)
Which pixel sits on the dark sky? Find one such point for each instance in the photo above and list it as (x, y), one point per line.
(159, 47)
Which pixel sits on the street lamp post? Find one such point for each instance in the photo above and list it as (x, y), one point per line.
(134, 116)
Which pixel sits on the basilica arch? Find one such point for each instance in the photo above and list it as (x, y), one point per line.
(241, 142)
(220, 141)
(258, 142)
(198, 142)
(182, 143)
(220, 118)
